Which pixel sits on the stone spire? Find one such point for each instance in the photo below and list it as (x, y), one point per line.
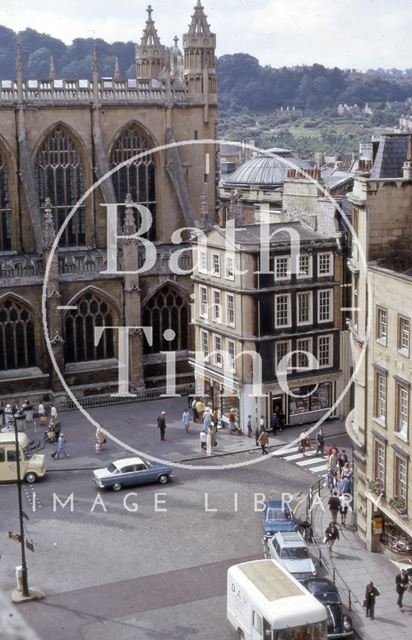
(116, 75)
(150, 54)
(95, 76)
(19, 74)
(95, 64)
(199, 45)
(48, 231)
(176, 61)
(52, 69)
(205, 222)
(129, 226)
(407, 165)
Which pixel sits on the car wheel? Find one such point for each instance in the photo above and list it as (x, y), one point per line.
(163, 479)
(117, 486)
(31, 477)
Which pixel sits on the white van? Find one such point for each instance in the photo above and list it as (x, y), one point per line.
(264, 602)
(31, 467)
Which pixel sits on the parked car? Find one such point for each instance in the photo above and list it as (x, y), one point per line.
(131, 471)
(339, 624)
(276, 516)
(291, 551)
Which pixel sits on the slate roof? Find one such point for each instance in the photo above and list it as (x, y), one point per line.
(390, 157)
(265, 171)
(250, 234)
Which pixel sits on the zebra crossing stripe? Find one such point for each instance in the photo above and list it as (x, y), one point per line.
(305, 463)
(323, 467)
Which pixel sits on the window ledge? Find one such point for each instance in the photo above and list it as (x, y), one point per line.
(380, 421)
(402, 436)
(403, 352)
(91, 365)
(15, 374)
(381, 341)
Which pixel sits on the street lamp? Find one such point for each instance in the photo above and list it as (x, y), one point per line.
(25, 590)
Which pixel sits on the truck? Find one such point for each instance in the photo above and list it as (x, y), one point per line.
(264, 602)
(32, 467)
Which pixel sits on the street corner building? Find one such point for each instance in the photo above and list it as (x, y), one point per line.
(57, 138)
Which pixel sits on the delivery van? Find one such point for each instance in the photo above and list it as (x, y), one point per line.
(264, 602)
(32, 467)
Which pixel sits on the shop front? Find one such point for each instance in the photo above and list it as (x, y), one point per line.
(390, 531)
(306, 403)
(221, 402)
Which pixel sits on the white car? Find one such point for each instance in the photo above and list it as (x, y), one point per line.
(291, 551)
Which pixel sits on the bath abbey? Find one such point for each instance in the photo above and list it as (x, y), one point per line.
(58, 138)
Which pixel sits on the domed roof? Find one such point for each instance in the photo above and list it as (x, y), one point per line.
(266, 171)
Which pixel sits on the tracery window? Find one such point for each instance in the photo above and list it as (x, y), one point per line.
(60, 177)
(5, 211)
(166, 310)
(17, 340)
(92, 311)
(137, 178)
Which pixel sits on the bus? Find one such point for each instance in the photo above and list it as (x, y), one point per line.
(264, 602)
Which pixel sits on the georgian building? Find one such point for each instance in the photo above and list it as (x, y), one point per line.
(57, 137)
(379, 424)
(245, 314)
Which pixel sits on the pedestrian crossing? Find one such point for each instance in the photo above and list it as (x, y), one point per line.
(310, 462)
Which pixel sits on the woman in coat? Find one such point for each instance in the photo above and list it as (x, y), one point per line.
(369, 602)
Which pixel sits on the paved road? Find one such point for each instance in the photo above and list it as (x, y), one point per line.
(110, 573)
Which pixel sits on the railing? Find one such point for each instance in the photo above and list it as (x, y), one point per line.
(141, 396)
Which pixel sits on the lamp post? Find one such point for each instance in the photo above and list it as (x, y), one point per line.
(25, 591)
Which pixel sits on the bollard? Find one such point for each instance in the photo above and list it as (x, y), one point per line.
(350, 600)
(19, 578)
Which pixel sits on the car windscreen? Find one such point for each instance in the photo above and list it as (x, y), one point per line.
(275, 514)
(330, 597)
(111, 468)
(294, 553)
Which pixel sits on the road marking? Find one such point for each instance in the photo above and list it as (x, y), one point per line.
(304, 463)
(322, 467)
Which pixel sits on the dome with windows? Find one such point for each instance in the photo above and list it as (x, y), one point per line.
(265, 170)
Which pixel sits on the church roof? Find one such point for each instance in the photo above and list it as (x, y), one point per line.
(266, 171)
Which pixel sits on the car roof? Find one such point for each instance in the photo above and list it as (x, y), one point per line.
(320, 585)
(274, 504)
(290, 539)
(125, 461)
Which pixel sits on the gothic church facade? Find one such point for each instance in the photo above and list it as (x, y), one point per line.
(57, 137)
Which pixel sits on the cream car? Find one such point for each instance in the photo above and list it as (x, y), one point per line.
(32, 467)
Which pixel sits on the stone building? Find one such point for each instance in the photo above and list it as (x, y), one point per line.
(57, 137)
(248, 317)
(379, 424)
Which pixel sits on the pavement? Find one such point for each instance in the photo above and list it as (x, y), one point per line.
(353, 566)
(132, 430)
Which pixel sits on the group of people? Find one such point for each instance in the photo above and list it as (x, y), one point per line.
(402, 584)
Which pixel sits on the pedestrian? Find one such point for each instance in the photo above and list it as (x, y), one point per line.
(345, 484)
(53, 412)
(332, 449)
(342, 459)
(331, 535)
(344, 500)
(60, 448)
(402, 583)
(207, 418)
(194, 410)
(274, 422)
(346, 471)
(282, 419)
(304, 443)
(334, 506)
(249, 426)
(161, 423)
(200, 407)
(320, 443)
(333, 461)
(100, 440)
(186, 419)
(203, 441)
(330, 480)
(40, 410)
(232, 420)
(369, 602)
(263, 442)
(257, 434)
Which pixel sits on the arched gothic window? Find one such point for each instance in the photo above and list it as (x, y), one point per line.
(166, 310)
(60, 177)
(137, 178)
(17, 341)
(5, 211)
(92, 311)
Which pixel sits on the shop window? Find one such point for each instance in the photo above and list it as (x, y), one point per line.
(395, 538)
(380, 396)
(403, 336)
(381, 325)
(312, 398)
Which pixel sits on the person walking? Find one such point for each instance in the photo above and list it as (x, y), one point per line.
(333, 461)
(161, 423)
(194, 410)
(249, 426)
(344, 500)
(257, 434)
(402, 583)
(334, 506)
(370, 597)
(274, 422)
(330, 480)
(232, 420)
(320, 443)
(203, 441)
(186, 419)
(207, 419)
(331, 535)
(60, 448)
(100, 440)
(263, 442)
